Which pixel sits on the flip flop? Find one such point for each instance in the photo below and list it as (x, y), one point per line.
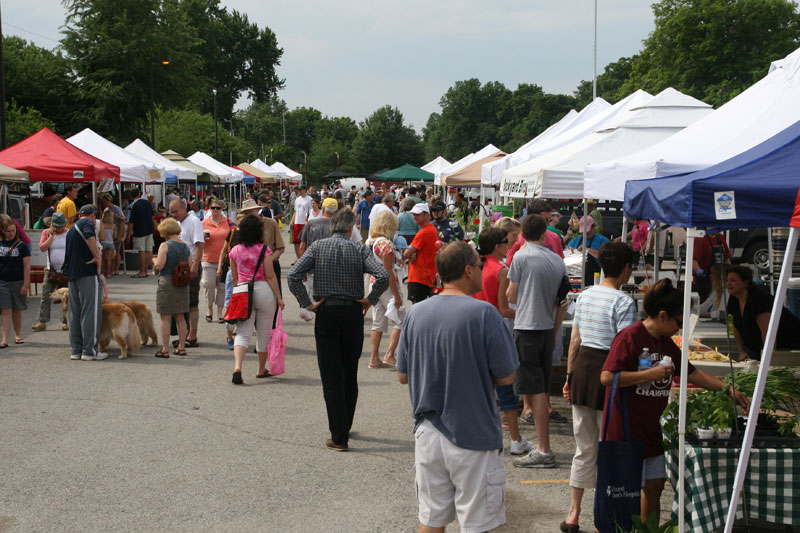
(209, 318)
(381, 365)
(19, 341)
(188, 343)
(178, 351)
(139, 276)
(162, 353)
(569, 528)
(3, 345)
(266, 374)
(221, 320)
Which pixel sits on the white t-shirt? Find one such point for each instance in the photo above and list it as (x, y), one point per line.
(302, 207)
(192, 233)
(55, 259)
(377, 209)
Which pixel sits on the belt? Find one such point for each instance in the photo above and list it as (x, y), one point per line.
(339, 303)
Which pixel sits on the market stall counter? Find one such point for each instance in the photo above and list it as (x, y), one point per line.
(771, 489)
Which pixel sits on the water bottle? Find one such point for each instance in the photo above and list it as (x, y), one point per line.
(645, 363)
(666, 361)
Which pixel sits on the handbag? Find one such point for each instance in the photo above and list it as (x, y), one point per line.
(53, 275)
(619, 472)
(241, 303)
(277, 346)
(227, 263)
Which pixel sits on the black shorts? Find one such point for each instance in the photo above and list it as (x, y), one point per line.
(418, 292)
(535, 350)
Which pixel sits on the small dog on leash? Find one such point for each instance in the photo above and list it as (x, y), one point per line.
(119, 323)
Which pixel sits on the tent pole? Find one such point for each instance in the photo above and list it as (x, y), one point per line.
(655, 255)
(770, 263)
(481, 215)
(583, 242)
(624, 229)
(691, 233)
(763, 368)
(94, 193)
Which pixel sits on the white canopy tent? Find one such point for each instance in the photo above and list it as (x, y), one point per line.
(766, 108)
(484, 152)
(262, 166)
(599, 120)
(230, 175)
(440, 163)
(291, 174)
(132, 168)
(139, 148)
(559, 174)
(492, 172)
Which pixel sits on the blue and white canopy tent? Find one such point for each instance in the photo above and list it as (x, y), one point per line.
(757, 188)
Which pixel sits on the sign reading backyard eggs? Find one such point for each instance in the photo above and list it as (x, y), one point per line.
(725, 205)
(514, 187)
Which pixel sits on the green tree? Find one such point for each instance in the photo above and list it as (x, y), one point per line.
(609, 84)
(189, 131)
(38, 79)
(261, 123)
(237, 55)
(113, 47)
(470, 118)
(702, 46)
(384, 141)
(22, 122)
(301, 125)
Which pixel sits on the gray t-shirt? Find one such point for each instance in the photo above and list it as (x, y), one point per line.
(539, 271)
(451, 347)
(315, 230)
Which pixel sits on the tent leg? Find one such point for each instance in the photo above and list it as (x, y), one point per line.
(624, 235)
(94, 193)
(655, 256)
(583, 261)
(691, 233)
(482, 215)
(122, 248)
(770, 264)
(766, 358)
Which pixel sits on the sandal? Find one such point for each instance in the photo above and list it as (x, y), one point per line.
(162, 353)
(569, 528)
(139, 276)
(188, 343)
(3, 345)
(19, 341)
(178, 351)
(221, 320)
(209, 318)
(266, 374)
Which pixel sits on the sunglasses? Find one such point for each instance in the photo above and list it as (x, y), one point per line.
(215, 208)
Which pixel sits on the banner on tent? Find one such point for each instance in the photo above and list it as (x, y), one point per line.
(514, 187)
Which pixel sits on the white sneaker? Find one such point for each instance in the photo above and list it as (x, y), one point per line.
(537, 459)
(98, 357)
(521, 447)
(75, 356)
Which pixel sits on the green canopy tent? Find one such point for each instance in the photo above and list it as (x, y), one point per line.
(406, 173)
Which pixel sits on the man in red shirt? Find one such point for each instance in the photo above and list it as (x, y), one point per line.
(421, 255)
(537, 206)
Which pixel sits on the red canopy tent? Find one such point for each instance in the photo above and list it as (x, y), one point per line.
(48, 157)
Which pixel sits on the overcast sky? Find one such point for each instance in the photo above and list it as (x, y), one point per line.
(350, 57)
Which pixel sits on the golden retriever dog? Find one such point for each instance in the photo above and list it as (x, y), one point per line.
(144, 317)
(119, 323)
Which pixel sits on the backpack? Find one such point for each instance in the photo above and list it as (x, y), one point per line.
(181, 272)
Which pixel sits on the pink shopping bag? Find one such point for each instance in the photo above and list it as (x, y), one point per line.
(277, 347)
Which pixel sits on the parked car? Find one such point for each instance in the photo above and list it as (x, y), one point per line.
(751, 246)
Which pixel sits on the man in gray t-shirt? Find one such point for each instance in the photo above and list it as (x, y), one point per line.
(535, 282)
(453, 350)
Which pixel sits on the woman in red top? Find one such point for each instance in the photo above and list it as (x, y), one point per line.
(493, 245)
(649, 390)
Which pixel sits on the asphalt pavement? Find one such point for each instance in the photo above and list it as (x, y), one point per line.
(149, 444)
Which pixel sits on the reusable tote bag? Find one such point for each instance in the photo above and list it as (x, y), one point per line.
(619, 472)
(277, 347)
(241, 303)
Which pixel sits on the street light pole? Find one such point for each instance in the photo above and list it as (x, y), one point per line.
(305, 165)
(337, 160)
(2, 94)
(216, 129)
(164, 62)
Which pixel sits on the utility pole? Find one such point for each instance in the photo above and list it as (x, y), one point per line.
(2, 94)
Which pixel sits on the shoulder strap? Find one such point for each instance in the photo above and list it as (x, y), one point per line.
(623, 398)
(258, 264)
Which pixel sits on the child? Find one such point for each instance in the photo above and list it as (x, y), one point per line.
(107, 237)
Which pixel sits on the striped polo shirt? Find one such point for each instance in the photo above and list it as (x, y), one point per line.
(601, 313)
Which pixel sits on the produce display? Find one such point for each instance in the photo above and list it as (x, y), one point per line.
(713, 415)
(701, 352)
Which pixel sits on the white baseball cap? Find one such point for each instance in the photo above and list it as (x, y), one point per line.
(420, 207)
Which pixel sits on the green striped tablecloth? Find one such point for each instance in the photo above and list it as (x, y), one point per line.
(771, 489)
